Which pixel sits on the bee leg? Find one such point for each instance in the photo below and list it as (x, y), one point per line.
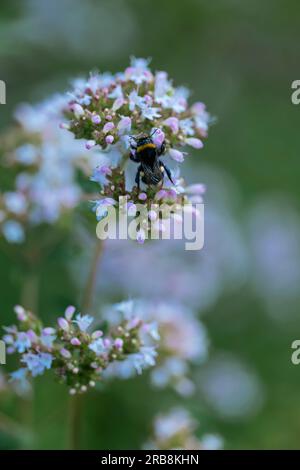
(133, 156)
(168, 171)
(162, 149)
(137, 177)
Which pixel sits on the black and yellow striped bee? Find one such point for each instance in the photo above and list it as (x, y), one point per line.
(151, 169)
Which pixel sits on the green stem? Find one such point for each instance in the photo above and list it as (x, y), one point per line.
(88, 293)
(8, 424)
(75, 421)
(76, 401)
(29, 299)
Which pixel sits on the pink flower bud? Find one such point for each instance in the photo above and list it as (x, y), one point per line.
(193, 142)
(63, 324)
(69, 312)
(96, 119)
(118, 343)
(107, 342)
(77, 110)
(65, 353)
(109, 139)
(109, 126)
(142, 196)
(97, 334)
(158, 137)
(75, 342)
(90, 144)
(20, 312)
(198, 108)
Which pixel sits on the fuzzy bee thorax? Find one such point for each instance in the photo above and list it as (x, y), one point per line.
(142, 147)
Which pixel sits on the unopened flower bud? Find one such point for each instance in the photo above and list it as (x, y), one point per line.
(65, 353)
(96, 119)
(193, 142)
(63, 324)
(20, 312)
(142, 196)
(69, 312)
(108, 127)
(118, 343)
(109, 139)
(90, 144)
(75, 342)
(97, 334)
(77, 110)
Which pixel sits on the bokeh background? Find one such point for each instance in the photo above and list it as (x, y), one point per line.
(240, 59)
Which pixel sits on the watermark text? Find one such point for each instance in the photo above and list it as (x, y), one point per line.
(159, 221)
(2, 353)
(2, 92)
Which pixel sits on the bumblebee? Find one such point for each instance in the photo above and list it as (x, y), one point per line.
(151, 169)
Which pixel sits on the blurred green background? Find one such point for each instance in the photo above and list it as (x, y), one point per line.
(240, 58)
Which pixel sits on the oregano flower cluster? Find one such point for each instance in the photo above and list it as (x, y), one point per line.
(110, 112)
(42, 164)
(74, 351)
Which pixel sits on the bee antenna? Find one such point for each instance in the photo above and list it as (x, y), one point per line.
(155, 130)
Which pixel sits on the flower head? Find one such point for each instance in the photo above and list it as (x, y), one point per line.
(133, 103)
(180, 339)
(79, 358)
(43, 161)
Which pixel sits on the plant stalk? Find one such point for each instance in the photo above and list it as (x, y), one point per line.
(89, 291)
(76, 401)
(75, 421)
